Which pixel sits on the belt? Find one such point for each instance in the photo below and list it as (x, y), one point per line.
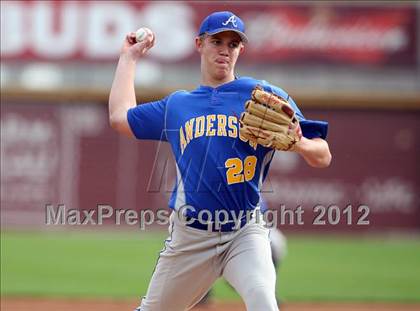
(227, 227)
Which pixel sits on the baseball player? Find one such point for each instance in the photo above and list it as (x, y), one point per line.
(223, 136)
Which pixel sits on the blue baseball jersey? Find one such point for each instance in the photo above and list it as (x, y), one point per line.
(216, 169)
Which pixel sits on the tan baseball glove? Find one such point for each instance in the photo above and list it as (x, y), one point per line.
(270, 121)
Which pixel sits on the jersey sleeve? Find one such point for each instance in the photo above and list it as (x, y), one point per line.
(310, 128)
(147, 121)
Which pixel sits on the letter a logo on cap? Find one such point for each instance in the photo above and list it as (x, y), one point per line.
(232, 20)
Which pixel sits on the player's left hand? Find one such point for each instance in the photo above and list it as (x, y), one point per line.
(270, 121)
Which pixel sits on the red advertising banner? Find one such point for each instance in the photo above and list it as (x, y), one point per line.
(379, 34)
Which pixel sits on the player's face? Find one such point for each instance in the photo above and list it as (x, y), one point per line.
(219, 54)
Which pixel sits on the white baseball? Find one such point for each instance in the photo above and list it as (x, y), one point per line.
(141, 34)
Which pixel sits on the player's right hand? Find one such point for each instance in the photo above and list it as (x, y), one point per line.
(136, 49)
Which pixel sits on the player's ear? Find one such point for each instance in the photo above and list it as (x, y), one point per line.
(241, 48)
(198, 43)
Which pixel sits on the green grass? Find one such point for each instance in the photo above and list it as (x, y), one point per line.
(352, 269)
(119, 265)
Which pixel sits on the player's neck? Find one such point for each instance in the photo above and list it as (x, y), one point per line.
(214, 82)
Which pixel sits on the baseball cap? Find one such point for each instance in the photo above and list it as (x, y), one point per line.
(223, 21)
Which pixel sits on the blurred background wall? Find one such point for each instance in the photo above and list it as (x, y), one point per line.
(355, 65)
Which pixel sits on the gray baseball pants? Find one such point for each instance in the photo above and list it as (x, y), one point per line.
(194, 259)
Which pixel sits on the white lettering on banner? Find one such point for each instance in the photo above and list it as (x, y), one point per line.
(40, 154)
(108, 23)
(12, 26)
(173, 23)
(93, 29)
(316, 35)
(47, 41)
(393, 194)
(382, 196)
(29, 159)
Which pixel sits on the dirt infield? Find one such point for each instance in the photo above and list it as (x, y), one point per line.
(42, 304)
